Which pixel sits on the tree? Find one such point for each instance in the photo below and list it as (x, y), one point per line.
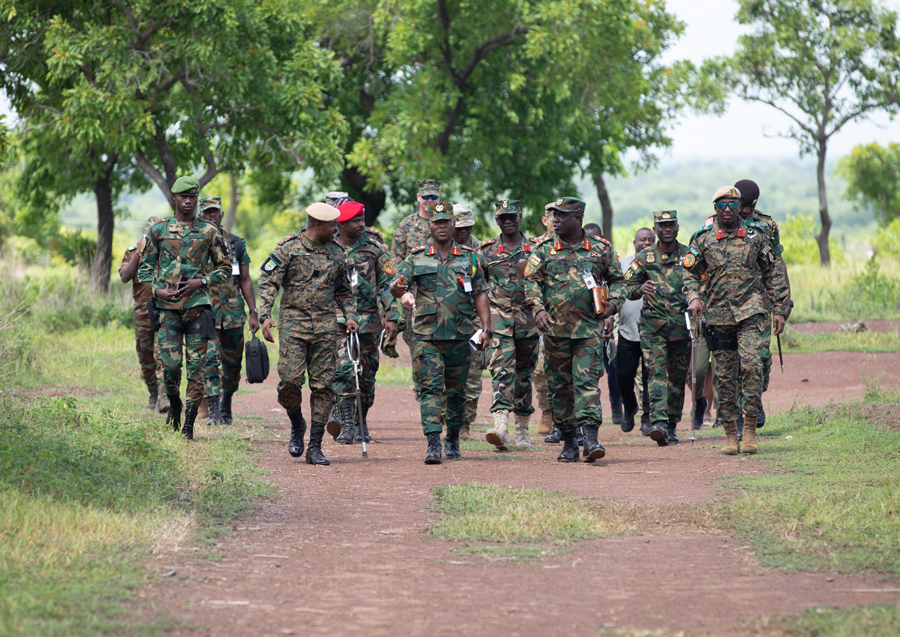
(872, 173)
(823, 64)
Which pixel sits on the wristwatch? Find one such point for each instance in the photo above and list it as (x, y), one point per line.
(203, 282)
(254, 311)
(490, 333)
(791, 303)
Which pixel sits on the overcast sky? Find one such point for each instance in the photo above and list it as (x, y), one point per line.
(746, 128)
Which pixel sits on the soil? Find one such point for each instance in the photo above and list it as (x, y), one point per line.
(344, 550)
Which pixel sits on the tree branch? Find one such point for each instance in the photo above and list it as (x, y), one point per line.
(153, 172)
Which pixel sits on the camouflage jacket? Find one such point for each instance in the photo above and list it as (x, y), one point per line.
(444, 310)
(228, 301)
(140, 292)
(374, 272)
(413, 231)
(505, 273)
(315, 280)
(734, 263)
(663, 311)
(194, 250)
(554, 283)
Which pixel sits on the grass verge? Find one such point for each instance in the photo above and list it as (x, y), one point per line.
(795, 342)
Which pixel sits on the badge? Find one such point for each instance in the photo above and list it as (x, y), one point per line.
(269, 265)
(588, 277)
(551, 251)
(529, 268)
(389, 268)
(506, 203)
(534, 260)
(651, 257)
(628, 274)
(559, 201)
(354, 277)
(439, 208)
(466, 281)
(689, 260)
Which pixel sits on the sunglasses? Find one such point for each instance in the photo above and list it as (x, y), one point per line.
(430, 197)
(507, 216)
(731, 205)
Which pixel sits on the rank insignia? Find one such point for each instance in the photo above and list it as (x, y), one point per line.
(559, 201)
(651, 257)
(506, 203)
(389, 268)
(689, 260)
(439, 208)
(552, 251)
(666, 215)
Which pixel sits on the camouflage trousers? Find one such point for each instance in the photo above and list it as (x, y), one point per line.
(441, 365)
(172, 340)
(512, 366)
(540, 378)
(477, 365)
(344, 382)
(740, 369)
(224, 358)
(765, 355)
(668, 367)
(147, 350)
(406, 326)
(302, 353)
(574, 367)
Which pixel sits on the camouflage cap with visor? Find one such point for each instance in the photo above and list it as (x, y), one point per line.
(429, 187)
(665, 216)
(210, 203)
(507, 206)
(441, 211)
(463, 216)
(568, 204)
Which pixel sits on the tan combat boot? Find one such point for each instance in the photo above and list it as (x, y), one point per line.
(499, 435)
(465, 433)
(203, 411)
(546, 423)
(162, 401)
(522, 439)
(731, 447)
(748, 444)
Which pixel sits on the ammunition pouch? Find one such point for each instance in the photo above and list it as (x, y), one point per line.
(716, 340)
(153, 311)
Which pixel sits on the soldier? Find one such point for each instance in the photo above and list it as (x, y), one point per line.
(181, 258)
(514, 348)
(414, 231)
(228, 303)
(462, 234)
(655, 275)
(749, 196)
(545, 426)
(144, 336)
(560, 279)
(443, 283)
(371, 271)
(729, 250)
(312, 269)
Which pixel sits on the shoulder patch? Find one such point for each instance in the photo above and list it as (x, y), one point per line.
(651, 257)
(389, 268)
(270, 264)
(688, 260)
(631, 271)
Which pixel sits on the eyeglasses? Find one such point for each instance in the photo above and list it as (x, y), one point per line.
(731, 205)
(430, 197)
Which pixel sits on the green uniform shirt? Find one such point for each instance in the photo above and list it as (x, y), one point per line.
(445, 311)
(505, 273)
(368, 258)
(193, 250)
(662, 311)
(554, 282)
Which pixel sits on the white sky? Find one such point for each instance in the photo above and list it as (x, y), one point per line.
(744, 126)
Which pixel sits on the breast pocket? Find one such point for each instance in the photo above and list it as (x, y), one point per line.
(306, 267)
(427, 280)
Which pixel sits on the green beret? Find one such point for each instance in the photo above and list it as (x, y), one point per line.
(186, 185)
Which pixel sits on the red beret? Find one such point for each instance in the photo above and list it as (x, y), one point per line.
(349, 210)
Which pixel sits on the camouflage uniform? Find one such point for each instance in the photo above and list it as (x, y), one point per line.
(144, 336)
(315, 281)
(574, 345)
(479, 360)
(734, 263)
(193, 250)
(665, 341)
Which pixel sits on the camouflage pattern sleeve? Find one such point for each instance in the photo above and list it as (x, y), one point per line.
(220, 255)
(773, 279)
(534, 282)
(149, 260)
(273, 271)
(399, 249)
(635, 277)
(695, 267)
(344, 299)
(129, 254)
(614, 279)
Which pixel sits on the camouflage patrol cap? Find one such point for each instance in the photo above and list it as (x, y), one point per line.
(429, 187)
(508, 206)
(186, 186)
(548, 210)
(463, 216)
(441, 211)
(665, 216)
(568, 204)
(727, 192)
(749, 191)
(209, 203)
(334, 195)
(151, 221)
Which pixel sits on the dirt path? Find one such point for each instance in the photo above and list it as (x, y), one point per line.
(343, 551)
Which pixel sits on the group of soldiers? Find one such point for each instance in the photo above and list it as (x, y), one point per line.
(521, 307)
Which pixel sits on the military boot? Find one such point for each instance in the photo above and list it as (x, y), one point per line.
(215, 416)
(151, 403)
(740, 425)
(546, 423)
(335, 425)
(465, 433)
(190, 415)
(361, 427)
(225, 407)
(298, 430)
(433, 455)
(579, 435)
(499, 435)
(203, 409)
(523, 441)
(628, 418)
(345, 416)
(672, 438)
(451, 444)
(593, 450)
(554, 436)
(174, 417)
(732, 445)
(749, 442)
(659, 433)
(569, 451)
(314, 451)
(699, 411)
(162, 402)
(761, 419)
(617, 414)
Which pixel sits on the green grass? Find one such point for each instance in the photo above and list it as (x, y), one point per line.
(876, 620)
(795, 342)
(857, 290)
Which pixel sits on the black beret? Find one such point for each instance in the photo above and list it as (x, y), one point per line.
(749, 191)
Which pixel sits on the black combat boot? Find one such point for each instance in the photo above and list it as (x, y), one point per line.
(344, 414)
(451, 444)
(628, 418)
(364, 428)
(298, 430)
(225, 408)
(617, 414)
(433, 455)
(761, 419)
(215, 416)
(174, 417)
(314, 451)
(554, 436)
(579, 435)
(593, 450)
(335, 425)
(699, 411)
(569, 451)
(659, 433)
(190, 415)
(671, 438)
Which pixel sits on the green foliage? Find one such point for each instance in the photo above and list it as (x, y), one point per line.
(830, 295)
(875, 620)
(798, 236)
(802, 343)
(874, 288)
(873, 178)
(887, 239)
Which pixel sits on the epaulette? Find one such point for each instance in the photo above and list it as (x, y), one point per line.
(466, 247)
(599, 238)
(375, 242)
(287, 238)
(486, 243)
(542, 240)
(759, 225)
(417, 249)
(702, 230)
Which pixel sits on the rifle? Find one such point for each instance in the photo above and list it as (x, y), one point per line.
(353, 345)
(694, 340)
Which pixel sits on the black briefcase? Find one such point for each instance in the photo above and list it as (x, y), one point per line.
(256, 360)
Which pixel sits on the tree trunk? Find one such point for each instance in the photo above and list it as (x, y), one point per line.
(234, 199)
(822, 237)
(605, 205)
(102, 263)
(355, 183)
